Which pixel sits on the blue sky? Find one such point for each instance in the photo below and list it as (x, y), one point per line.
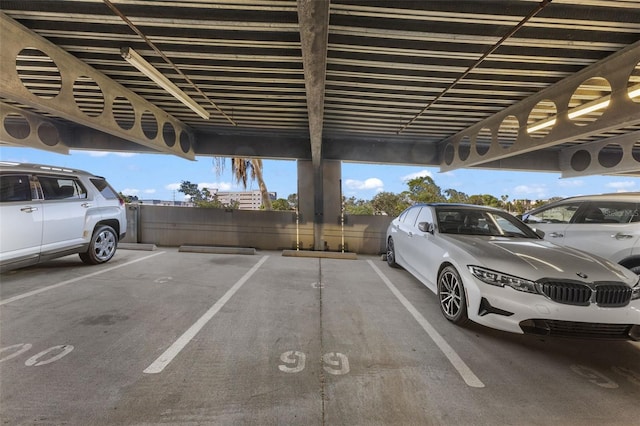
(158, 176)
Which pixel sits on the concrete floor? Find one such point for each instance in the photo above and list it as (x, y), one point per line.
(167, 337)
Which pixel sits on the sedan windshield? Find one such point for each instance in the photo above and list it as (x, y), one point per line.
(473, 221)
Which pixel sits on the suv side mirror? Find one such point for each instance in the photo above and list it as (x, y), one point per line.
(426, 227)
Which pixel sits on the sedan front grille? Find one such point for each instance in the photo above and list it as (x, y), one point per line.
(608, 295)
(612, 295)
(568, 293)
(578, 329)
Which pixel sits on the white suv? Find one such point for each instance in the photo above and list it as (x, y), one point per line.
(48, 212)
(607, 225)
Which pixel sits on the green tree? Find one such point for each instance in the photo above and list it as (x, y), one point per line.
(200, 197)
(357, 207)
(454, 196)
(281, 204)
(424, 190)
(485, 200)
(389, 203)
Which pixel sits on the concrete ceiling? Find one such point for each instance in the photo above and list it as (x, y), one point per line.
(490, 84)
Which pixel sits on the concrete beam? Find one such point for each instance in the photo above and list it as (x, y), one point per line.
(48, 79)
(462, 149)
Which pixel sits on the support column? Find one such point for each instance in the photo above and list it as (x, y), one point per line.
(319, 195)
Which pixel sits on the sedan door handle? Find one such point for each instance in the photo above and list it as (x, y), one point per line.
(86, 205)
(410, 234)
(621, 236)
(556, 234)
(28, 209)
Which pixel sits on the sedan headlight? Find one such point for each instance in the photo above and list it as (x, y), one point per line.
(499, 279)
(635, 291)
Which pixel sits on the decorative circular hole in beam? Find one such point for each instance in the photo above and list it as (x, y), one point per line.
(123, 113)
(38, 73)
(16, 125)
(610, 155)
(580, 160)
(149, 125)
(185, 142)
(88, 96)
(542, 119)
(483, 141)
(464, 148)
(589, 101)
(48, 134)
(634, 84)
(635, 151)
(508, 131)
(169, 134)
(449, 153)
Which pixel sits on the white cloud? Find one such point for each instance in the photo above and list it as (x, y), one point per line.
(104, 153)
(220, 186)
(421, 173)
(130, 191)
(622, 186)
(570, 183)
(172, 187)
(149, 191)
(536, 191)
(368, 184)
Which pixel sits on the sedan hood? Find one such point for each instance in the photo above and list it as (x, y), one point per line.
(536, 259)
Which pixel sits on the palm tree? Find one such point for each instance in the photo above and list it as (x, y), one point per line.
(243, 168)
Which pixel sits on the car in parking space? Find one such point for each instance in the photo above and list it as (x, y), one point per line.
(48, 212)
(488, 267)
(607, 225)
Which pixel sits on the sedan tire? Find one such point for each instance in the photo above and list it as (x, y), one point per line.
(391, 254)
(453, 303)
(102, 246)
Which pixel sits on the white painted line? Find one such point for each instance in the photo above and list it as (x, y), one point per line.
(163, 360)
(51, 287)
(455, 360)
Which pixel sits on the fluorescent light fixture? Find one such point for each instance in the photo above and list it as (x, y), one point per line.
(634, 91)
(589, 107)
(584, 109)
(541, 125)
(147, 69)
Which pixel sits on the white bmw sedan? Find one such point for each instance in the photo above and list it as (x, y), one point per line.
(488, 267)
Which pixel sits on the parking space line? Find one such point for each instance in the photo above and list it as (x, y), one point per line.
(73, 280)
(467, 375)
(163, 360)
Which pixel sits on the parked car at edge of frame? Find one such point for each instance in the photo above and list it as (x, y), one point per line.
(48, 212)
(607, 225)
(488, 267)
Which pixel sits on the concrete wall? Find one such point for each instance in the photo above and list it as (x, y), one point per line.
(265, 230)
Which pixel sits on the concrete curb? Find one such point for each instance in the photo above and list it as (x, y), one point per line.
(320, 254)
(136, 246)
(217, 250)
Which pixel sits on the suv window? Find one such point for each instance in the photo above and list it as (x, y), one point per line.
(610, 212)
(61, 188)
(15, 188)
(105, 189)
(558, 214)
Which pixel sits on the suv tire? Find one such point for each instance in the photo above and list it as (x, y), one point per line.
(102, 246)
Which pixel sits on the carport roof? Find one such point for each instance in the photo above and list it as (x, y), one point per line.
(493, 84)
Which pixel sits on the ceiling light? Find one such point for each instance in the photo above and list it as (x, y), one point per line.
(147, 69)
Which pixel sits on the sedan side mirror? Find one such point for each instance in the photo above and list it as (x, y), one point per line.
(426, 227)
(540, 232)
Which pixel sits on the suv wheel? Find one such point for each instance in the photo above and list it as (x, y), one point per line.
(102, 246)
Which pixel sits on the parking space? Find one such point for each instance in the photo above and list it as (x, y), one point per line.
(194, 338)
